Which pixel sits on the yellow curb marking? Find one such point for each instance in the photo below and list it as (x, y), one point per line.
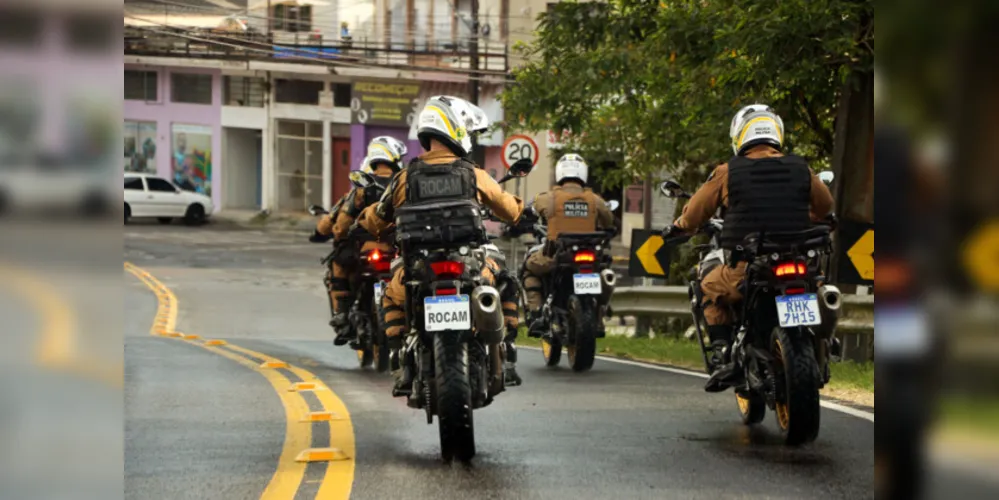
(339, 477)
(320, 416)
(321, 455)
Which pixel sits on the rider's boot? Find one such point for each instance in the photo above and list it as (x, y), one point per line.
(402, 368)
(725, 372)
(538, 325)
(510, 377)
(341, 322)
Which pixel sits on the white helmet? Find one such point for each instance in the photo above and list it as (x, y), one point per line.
(385, 149)
(754, 125)
(450, 120)
(571, 166)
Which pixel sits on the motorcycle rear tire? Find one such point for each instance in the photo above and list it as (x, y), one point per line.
(454, 397)
(797, 411)
(582, 325)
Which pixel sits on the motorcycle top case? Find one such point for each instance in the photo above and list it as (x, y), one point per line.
(445, 223)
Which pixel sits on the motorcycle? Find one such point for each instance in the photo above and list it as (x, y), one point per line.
(365, 315)
(784, 328)
(577, 294)
(455, 343)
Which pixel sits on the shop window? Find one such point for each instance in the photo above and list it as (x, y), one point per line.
(191, 88)
(297, 91)
(141, 86)
(341, 95)
(243, 91)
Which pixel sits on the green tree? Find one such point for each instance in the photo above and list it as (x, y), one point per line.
(658, 82)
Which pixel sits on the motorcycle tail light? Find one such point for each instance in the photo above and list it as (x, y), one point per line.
(790, 269)
(447, 291)
(585, 256)
(380, 266)
(447, 269)
(794, 291)
(374, 256)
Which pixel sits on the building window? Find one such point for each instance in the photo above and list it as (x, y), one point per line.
(141, 86)
(88, 33)
(20, 27)
(341, 95)
(191, 88)
(292, 18)
(297, 91)
(243, 91)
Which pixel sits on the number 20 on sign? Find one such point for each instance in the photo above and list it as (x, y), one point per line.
(519, 147)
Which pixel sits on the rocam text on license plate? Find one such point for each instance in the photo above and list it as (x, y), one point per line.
(798, 310)
(448, 312)
(586, 284)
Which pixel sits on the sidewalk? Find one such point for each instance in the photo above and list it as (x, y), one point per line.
(256, 219)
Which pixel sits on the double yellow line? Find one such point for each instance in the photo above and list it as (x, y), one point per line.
(297, 452)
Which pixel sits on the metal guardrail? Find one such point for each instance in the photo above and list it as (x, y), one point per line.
(856, 316)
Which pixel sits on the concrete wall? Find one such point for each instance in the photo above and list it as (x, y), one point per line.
(165, 113)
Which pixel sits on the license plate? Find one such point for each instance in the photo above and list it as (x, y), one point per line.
(379, 291)
(586, 284)
(798, 310)
(902, 331)
(449, 312)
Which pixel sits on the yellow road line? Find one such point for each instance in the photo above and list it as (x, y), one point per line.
(285, 483)
(57, 347)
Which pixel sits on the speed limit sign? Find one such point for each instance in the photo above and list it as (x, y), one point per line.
(519, 147)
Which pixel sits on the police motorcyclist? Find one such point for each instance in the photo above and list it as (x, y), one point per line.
(383, 161)
(759, 189)
(443, 130)
(570, 207)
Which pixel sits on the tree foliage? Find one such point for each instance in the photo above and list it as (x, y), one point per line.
(656, 83)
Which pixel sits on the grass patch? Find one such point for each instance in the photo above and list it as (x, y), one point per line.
(684, 353)
(976, 415)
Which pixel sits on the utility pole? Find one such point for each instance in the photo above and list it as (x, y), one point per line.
(478, 155)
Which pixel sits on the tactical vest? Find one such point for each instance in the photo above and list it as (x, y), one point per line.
(441, 206)
(572, 212)
(766, 194)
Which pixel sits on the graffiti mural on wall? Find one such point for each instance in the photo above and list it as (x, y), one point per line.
(191, 159)
(140, 146)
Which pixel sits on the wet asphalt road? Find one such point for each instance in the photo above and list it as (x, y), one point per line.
(201, 426)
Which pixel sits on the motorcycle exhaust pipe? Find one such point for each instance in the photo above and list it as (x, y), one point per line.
(487, 315)
(830, 304)
(608, 278)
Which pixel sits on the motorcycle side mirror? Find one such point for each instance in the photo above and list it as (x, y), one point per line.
(361, 179)
(671, 189)
(520, 168)
(613, 205)
(316, 210)
(827, 177)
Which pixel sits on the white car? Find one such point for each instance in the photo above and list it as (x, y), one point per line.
(150, 196)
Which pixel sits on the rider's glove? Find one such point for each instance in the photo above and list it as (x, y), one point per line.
(316, 237)
(671, 230)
